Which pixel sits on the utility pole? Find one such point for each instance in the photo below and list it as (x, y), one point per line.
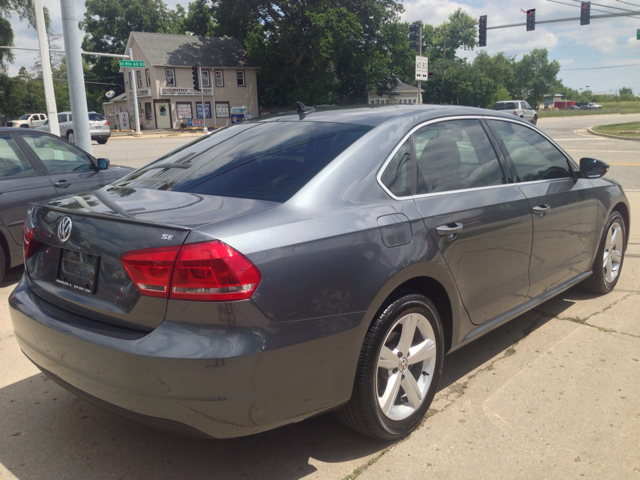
(134, 86)
(75, 75)
(49, 95)
(420, 81)
(204, 110)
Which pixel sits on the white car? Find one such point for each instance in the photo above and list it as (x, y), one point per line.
(593, 106)
(29, 120)
(98, 126)
(519, 108)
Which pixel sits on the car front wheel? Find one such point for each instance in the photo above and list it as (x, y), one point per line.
(71, 138)
(398, 371)
(608, 263)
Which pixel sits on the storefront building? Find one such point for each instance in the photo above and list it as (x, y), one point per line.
(166, 97)
(401, 94)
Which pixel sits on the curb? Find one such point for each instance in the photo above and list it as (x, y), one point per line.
(608, 135)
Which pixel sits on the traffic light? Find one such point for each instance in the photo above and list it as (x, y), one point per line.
(585, 13)
(415, 36)
(531, 20)
(482, 31)
(196, 77)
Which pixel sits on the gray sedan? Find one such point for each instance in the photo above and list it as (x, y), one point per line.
(284, 267)
(37, 166)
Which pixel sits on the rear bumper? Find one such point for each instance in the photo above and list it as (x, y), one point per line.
(236, 373)
(97, 135)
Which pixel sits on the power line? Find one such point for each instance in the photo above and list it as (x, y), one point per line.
(600, 68)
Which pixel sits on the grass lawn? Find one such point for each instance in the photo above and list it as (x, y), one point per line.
(607, 108)
(631, 129)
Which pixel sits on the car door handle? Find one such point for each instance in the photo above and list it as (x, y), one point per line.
(450, 230)
(541, 210)
(61, 184)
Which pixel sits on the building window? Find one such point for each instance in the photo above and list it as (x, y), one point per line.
(184, 110)
(148, 75)
(219, 78)
(171, 77)
(240, 75)
(207, 109)
(139, 77)
(147, 110)
(205, 78)
(373, 102)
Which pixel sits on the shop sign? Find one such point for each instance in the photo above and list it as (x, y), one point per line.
(184, 110)
(194, 122)
(238, 110)
(222, 110)
(142, 92)
(183, 91)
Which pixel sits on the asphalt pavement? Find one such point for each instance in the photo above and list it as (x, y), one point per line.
(555, 393)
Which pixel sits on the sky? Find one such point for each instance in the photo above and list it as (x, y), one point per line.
(581, 50)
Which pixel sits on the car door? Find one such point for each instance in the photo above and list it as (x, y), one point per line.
(528, 111)
(70, 169)
(563, 206)
(480, 221)
(21, 183)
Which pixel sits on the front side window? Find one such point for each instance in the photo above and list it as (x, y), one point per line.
(240, 76)
(263, 161)
(455, 155)
(13, 163)
(533, 156)
(56, 155)
(397, 176)
(171, 77)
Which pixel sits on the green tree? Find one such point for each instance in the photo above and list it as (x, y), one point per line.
(535, 76)
(200, 19)
(625, 94)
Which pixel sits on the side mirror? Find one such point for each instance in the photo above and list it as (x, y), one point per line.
(592, 168)
(103, 163)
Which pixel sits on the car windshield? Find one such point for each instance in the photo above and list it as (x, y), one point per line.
(259, 160)
(505, 106)
(24, 117)
(96, 117)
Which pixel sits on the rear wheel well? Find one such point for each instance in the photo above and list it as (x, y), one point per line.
(624, 211)
(5, 247)
(434, 291)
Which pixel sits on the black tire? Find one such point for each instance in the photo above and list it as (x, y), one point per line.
(598, 283)
(71, 137)
(3, 263)
(101, 141)
(535, 120)
(363, 412)
(24, 126)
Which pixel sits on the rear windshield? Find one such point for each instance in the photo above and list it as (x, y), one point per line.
(505, 106)
(261, 161)
(96, 117)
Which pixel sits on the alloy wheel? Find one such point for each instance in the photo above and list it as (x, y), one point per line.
(405, 366)
(612, 257)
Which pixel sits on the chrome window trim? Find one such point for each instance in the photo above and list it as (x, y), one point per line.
(464, 190)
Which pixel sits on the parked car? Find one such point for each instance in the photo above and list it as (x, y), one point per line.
(30, 120)
(37, 166)
(572, 107)
(593, 106)
(284, 267)
(98, 126)
(519, 108)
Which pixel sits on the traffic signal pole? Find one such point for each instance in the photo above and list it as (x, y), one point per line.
(204, 110)
(567, 19)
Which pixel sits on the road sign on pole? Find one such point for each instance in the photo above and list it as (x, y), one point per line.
(132, 63)
(638, 34)
(422, 68)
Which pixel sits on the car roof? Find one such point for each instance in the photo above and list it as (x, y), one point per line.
(377, 115)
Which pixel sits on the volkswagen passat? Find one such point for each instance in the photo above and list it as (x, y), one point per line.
(281, 268)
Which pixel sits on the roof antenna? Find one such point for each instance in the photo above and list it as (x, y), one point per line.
(303, 110)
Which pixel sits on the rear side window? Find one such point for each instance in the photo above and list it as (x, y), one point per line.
(261, 161)
(534, 157)
(505, 106)
(96, 117)
(455, 155)
(397, 175)
(13, 163)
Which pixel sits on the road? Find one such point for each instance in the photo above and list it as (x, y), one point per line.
(555, 393)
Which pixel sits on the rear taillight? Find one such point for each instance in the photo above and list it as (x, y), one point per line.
(213, 271)
(515, 113)
(106, 123)
(29, 243)
(151, 269)
(209, 271)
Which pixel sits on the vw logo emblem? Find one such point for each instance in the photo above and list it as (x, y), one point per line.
(64, 229)
(404, 364)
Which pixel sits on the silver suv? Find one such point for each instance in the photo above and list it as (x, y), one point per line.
(98, 126)
(28, 120)
(520, 108)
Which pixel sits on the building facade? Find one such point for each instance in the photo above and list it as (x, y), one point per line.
(165, 91)
(402, 94)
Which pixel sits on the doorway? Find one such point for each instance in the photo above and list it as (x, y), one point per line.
(163, 113)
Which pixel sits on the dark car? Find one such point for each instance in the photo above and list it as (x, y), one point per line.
(37, 166)
(572, 107)
(281, 268)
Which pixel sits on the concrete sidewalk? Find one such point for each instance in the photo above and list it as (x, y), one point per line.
(555, 393)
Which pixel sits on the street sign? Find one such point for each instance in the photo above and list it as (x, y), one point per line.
(638, 34)
(422, 68)
(132, 63)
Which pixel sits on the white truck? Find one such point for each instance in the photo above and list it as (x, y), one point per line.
(28, 120)
(593, 106)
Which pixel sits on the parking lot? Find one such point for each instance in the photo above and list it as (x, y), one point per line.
(552, 394)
